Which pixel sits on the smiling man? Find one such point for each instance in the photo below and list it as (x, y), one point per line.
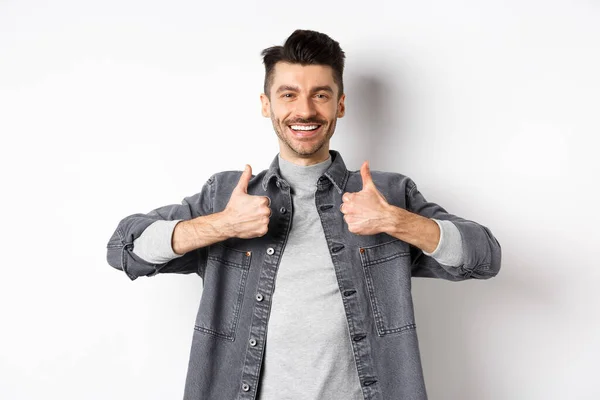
(304, 103)
(306, 266)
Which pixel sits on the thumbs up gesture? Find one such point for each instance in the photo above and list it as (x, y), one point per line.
(247, 215)
(366, 212)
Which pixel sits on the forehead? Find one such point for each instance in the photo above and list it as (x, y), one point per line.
(303, 76)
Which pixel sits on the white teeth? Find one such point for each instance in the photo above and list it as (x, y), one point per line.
(304, 128)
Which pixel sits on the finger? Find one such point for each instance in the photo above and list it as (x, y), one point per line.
(244, 179)
(268, 198)
(346, 197)
(365, 173)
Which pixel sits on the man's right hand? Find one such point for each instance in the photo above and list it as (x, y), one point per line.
(247, 216)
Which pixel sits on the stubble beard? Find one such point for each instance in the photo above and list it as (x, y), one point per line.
(294, 146)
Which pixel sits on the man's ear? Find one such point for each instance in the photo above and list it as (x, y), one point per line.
(266, 106)
(341, 106)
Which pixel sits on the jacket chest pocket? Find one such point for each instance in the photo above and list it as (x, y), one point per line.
(223, 292)
(387, 270)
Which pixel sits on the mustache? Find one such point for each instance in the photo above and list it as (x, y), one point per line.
(306, 121)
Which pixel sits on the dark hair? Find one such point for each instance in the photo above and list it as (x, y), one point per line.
(306, 48)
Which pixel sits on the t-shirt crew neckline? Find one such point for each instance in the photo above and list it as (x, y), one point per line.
(301, 176)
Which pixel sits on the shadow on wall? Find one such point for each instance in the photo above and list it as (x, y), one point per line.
(375, 119)
(377, 124)
(463, 330)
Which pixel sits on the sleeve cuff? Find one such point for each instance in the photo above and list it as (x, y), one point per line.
(449, 250)
(154, 244)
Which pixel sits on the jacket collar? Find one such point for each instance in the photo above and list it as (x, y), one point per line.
(336, 173)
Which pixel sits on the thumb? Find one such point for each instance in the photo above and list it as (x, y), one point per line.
(365, 173)
(244, 179)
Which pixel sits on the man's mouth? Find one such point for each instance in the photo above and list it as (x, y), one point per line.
(304, 130)
(304, 127)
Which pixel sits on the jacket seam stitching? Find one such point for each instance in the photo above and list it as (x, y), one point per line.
(388, 258)
(212, 332)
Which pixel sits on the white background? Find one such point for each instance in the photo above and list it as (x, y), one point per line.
(109, 108)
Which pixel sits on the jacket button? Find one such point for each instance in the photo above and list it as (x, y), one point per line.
(282, 210)
(252, 342)
(245, 387)
(248, 254)
(270, 251)
(259, 297)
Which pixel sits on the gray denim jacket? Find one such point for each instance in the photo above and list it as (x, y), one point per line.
(373, 273)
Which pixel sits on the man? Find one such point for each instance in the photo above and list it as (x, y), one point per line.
(306, 266)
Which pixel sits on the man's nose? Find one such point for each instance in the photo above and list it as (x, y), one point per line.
(305, 107)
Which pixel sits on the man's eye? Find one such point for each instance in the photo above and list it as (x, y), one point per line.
(288, 95)
(321, 96)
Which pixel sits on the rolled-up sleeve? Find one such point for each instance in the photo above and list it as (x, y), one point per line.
(155, 244)
(449, 250)
(121, 251)
(481, 252)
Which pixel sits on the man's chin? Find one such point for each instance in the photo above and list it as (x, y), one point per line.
(307, 152)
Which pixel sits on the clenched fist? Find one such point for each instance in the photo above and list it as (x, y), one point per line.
(247, 216)
(366, 212)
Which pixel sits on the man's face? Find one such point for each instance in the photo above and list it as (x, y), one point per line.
(303, 108)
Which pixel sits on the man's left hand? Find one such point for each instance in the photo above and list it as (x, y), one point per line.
(366, 212)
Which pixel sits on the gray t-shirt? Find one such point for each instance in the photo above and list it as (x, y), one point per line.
(308, 354)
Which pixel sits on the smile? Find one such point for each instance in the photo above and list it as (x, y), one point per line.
(304, 127)
(304, 130)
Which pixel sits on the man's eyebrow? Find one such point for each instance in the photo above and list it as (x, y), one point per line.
(325, 88)
(284, 88)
